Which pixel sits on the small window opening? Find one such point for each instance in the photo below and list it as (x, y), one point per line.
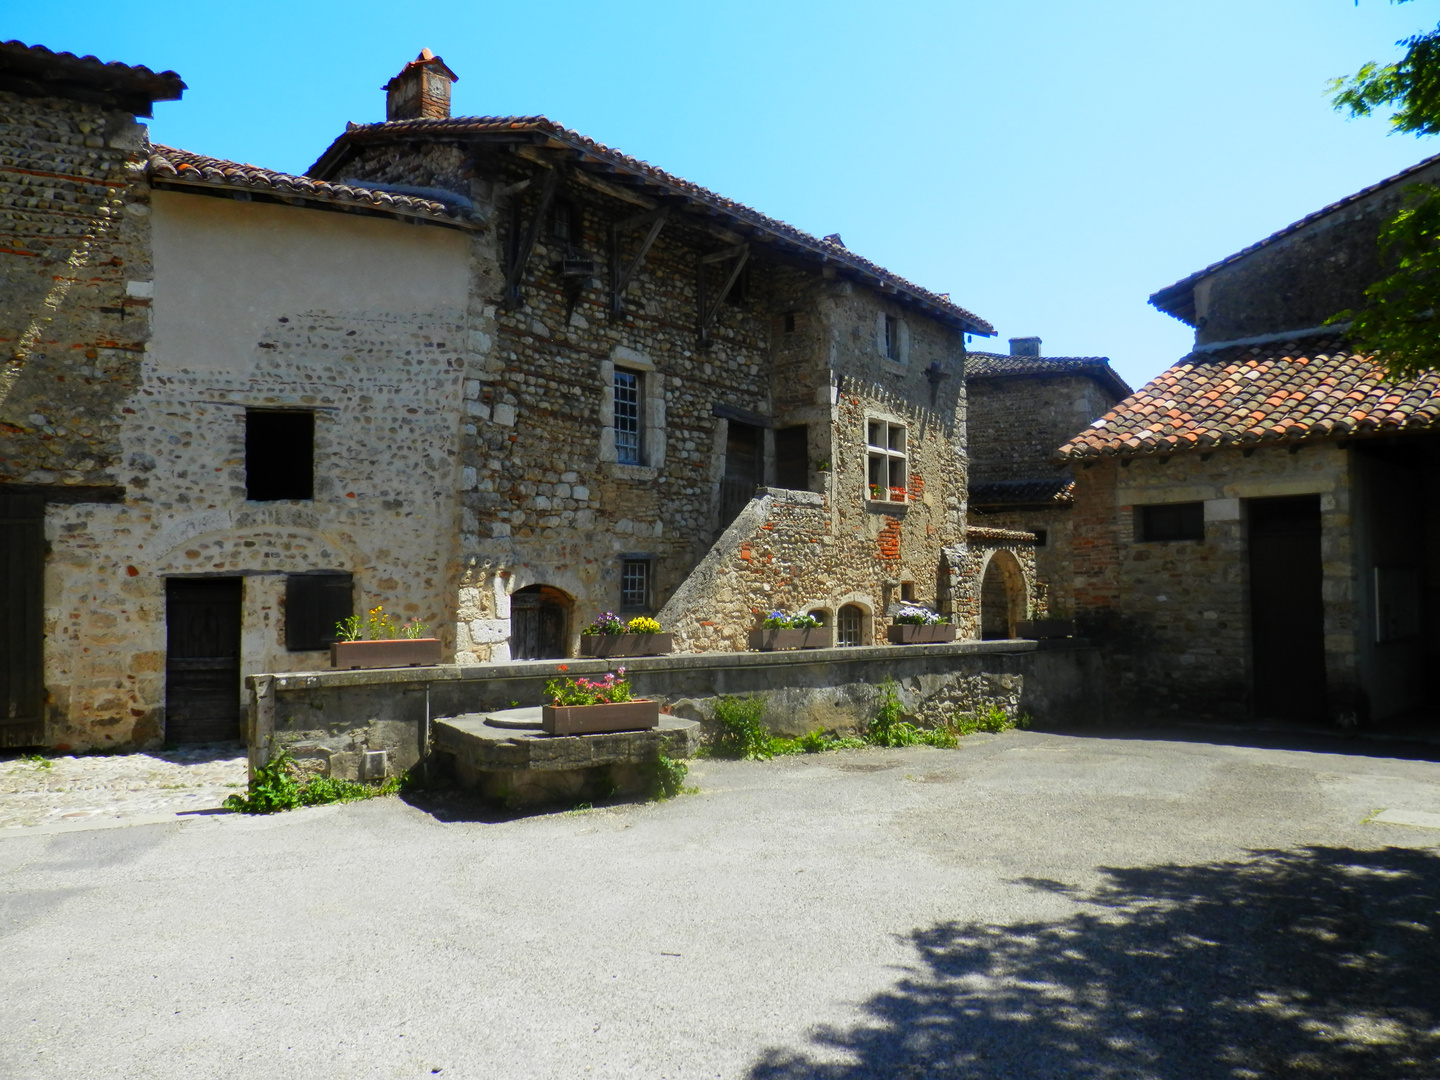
(892, 338)
(1171, 521)
(627, 417)
(279, 455)
(635, 584)
(1040, 537)
(314, 603)
(849, 624)
(789, 322)
(907, 592)
(565, 222)
(739, 293)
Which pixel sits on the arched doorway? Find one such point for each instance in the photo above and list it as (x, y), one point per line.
(539, 623)
(1003, 598)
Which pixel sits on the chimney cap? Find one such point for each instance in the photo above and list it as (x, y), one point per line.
(425, 59)
(1024, 346)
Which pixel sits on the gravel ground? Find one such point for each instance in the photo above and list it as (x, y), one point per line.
(1029, 905)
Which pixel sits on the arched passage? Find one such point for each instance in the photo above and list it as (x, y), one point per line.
(1003, 596)
(540, 623)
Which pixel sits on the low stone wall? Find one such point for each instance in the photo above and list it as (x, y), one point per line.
(346, 717)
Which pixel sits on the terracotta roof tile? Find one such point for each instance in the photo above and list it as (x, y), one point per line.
(1248, 396)
(607, 161)
(183, 167)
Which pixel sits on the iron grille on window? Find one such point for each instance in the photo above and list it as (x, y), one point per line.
(635, 583)
(627, 417)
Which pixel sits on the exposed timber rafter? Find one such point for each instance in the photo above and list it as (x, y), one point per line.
(740, 253)
(521, 249)
(620, 277)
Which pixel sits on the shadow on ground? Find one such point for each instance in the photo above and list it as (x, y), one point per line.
(1404, 744)
(1318, 962)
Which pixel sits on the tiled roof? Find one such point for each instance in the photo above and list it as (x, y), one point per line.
(1046, 491)
(1179, 299)
(36, 70)
(983, 365)
(981, 535)
(169, 165)
(613, 165)
(1249, 396)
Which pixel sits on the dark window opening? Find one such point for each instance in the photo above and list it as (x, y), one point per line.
(789, 322)
(792, 458)
(627, 417)
(742, 469)
(907, 592)
(892, 337)
(849, 625)
(739, 293)
(1170, 521)
(279, 455)
(314, 603)
(1040, 537)
(635, 584)
(565, 222)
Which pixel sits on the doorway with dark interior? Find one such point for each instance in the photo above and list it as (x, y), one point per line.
(539, 623)
(202, 660)
(744, 450)
(22, 627)
(1287, 612)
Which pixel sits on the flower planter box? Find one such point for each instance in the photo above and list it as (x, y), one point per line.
(914, 634)
(1045, 628)
(599, 719)
(397, 652)
(626, 644)
(770, 640)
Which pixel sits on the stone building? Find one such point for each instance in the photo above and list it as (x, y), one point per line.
(483, 372)
(1256, 530)
(1021, 406)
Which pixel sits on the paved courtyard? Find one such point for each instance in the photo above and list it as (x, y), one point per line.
(1029, 905)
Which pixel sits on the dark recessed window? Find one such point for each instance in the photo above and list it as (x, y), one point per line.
(279, 455)
(907, 592)
(565, 222)
(1040, 537)
(635, 583)
(850, 625)
(789, 322)
(314, 603)
(892, 337)
(1170, 521)
(628, 388)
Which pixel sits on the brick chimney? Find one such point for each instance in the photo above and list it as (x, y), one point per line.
(421, 91)
(1024, 346)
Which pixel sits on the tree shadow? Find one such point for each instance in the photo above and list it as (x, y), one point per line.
(1317, 962)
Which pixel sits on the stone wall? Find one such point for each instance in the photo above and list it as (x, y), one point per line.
(74, 286)
(340, 716)
(1173, 616)
(1300, 280)
(1017, 422)
(358, 319)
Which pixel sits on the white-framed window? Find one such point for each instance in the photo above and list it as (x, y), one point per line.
(629, 389)
(886, 477)
(850, 625)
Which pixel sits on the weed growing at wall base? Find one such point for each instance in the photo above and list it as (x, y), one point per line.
(280, 784)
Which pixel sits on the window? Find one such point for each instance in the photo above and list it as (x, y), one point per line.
(1040, 537)
(788, 322)
(1170, 521)
(892, 338)
(792, 457)
(634, 584)
(849, 625)
(565, 222)
(627, 416)
(279, 455)
(886, 449)
(314, 603)
(907, 592)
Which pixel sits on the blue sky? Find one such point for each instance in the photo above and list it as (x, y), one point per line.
(1048, 163)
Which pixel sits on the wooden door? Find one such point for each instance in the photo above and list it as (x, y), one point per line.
(792, 458)
(1287, 613)
(202, 666)
(743, 463)
(22, 625)
(539, 624)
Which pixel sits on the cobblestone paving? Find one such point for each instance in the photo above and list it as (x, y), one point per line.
(114, 787)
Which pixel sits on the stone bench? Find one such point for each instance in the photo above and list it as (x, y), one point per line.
(505, 757)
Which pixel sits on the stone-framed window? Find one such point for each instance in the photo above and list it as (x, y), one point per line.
(629, 391)
(635, 583)
(1170, 521)
(314, 603)
(850, 625)
(886, 476)
(892, 338)
(279, 454)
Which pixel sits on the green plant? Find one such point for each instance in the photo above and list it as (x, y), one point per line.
(992, 719)
(377, 626)
(918, 616)
(610, 690)
(608, 623)
(669, 778)
(40, 761)
(280, 784)
(414, 629)
(778, 620)
(642, 624)
(741, 733)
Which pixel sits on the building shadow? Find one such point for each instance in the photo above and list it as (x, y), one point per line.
(1403, 743)
(1317, 962)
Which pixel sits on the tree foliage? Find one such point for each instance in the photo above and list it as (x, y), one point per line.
(1401, 318)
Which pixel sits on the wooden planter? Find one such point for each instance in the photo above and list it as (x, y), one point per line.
(768, 640)
(391, 652)
(911, 634)
(1045, 628)
(626, 644)
(599, 719)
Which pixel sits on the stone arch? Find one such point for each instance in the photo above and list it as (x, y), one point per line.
(1004, 596)
(540, 623)
(850, 609)
(821, 612)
